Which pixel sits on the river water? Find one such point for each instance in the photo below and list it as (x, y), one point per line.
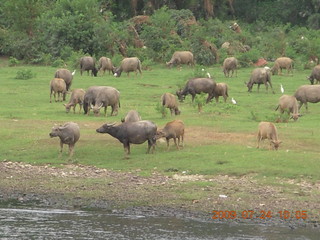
(64, 224)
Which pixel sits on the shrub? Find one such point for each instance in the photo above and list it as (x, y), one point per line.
(13, 61)
(25, 74)
(58, 63)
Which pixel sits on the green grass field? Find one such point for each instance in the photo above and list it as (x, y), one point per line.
(219, 140)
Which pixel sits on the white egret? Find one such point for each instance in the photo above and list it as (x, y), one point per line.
(281, 89)
(233, 101)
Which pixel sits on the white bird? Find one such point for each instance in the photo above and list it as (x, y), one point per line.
(281, 88)
(208, 74)
(74, 72)
(233, 101)
(202, 69)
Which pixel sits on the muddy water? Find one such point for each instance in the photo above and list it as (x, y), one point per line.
(61, 224)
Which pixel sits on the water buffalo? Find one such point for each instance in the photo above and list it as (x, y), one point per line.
(132, 116)
(307, 93)
(230, 64)
(106, 64)
(260, 76)
(315, 75)
(289, 104)
(280, 63)
(173, 129)
(66, 75)
(77, 97)
(57, 86)
(221, 89)
(128, 65)
(168, 100)
(196, 86)
(132, 132)
(87, 64)
(106, 96)
(268, 130)
(69, 134)
(181, 57)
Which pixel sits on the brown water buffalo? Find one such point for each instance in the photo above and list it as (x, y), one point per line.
(169, 100)
(181, 57)
(315, 75)
(268, 130)
(77, 97)
(106, 96)
(280, 63)
(289, 104)
(221, 89)
(196, 86)
(128, 65)
(66, 75)
(260, 76)
(132, 116)
(230, 64)
(132, 132)
(106, 64)
(69, 134)
(307, 93)
(58, 86)
(173, 129)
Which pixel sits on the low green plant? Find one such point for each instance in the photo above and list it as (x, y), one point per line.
(161, 109)
(58, 63)
(25, 74)
(200, 101)
(13, 61)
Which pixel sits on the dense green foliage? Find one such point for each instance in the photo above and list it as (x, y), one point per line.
(219, 140)
(42, 31)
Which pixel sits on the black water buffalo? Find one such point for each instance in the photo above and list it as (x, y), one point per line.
(196, 86)
(132, 132)
(87, 64)
(260, 76)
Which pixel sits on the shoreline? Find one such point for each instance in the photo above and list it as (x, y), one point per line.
(78, 187)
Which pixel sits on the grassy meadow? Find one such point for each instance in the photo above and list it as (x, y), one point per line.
(219, 140)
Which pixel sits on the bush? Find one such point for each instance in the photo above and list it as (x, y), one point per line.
(246, 59)
(25, 74)
(58, 63)
(13, 61)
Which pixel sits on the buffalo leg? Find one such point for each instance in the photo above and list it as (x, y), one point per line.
(168, 146)
(61, 148)
(71, 147)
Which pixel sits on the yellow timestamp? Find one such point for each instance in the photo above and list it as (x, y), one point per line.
(262, 214)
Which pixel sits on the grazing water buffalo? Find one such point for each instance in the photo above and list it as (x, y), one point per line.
(128, 65)
(87, 64)
(307, 93)
(66, 75)
(69, 134)
(268, 130)
(132, 116)
(280, 63)
(132, 132)
(289, 104)
(106, 64)
(196, 86)
(181, 57)
(106, 96)
(168, 100)
(173, 129)
(230, 65)
(315, 75)
(260, 76)
(57, 86)
(221, 89)
(77, 97)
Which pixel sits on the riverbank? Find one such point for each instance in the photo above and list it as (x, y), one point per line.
(225, 198)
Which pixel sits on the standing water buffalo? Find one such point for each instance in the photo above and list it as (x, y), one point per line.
(57, 86)
(168, 100)
(66, 75)
(230, 64)
(69, 134)
(280, 63)
(268, 130)
(106, 96)
(132, 132)
(260, 76)
(132, 116)
(105, 64)
(128, 65)
(289, 104)
(307, 93)
(173, 129)
(196, 86)
(77, 97)
(315, 75)
(181, 57)
(221, 89)
(87, 64)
